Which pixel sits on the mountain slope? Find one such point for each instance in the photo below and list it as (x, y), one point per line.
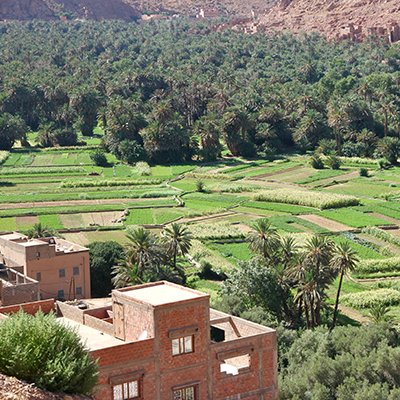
(53, 9)
(335, 19)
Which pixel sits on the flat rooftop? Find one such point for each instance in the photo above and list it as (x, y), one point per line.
(92, 338)
(157, 294)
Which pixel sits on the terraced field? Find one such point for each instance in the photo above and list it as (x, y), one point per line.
(65, 191)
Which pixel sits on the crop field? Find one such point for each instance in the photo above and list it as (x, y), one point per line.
(63, 190)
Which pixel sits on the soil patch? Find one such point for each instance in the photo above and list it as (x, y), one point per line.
(102, 218)
(384, 217)
(283, 171)
(26, 221)
(326, 223)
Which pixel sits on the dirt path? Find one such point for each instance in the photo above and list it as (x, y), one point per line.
(353, 314)
(339, 178)
(326, 223)
(282, 171)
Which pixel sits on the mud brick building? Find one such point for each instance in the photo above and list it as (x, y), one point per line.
(161, 341)
(60, 267)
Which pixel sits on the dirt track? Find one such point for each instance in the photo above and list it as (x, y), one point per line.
(326, 223)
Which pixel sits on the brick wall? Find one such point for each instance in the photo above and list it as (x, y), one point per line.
(30, 308)
(18, 294)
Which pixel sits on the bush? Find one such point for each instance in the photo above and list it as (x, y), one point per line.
(40, 350)
(143, 169)
(316, 162)
(99, 158)
(307, 198)
(382, 234)
(389, 266)
(364, 172)
(333, 162)
(131, 151)
(200, 187)
(3, 156)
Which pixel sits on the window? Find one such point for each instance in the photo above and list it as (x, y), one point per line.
(236, 365)
(76, 271)
(79, 290)
(182, 345)
(61, 273)
(38, 276)
(186, 393)
(60, 294)
(126, 391)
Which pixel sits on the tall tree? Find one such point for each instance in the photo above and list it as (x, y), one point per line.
(344, 260)
(177, 240)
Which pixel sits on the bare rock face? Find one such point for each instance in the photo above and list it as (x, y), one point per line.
(25, 10)
(53, 9)
(336, 19)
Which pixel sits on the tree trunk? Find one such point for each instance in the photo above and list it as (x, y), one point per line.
(337, 302)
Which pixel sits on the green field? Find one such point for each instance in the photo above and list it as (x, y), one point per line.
(65, 191)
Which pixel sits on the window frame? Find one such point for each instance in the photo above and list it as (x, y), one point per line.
(80, 291)
(61, 273)
(182, 346)
(77, 270)
(63, 294)
(139, 389)
(38, 276)
(184, 396)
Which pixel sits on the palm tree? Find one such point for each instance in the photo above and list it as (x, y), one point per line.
(264, 238)
(40, 231)
(177, 240)
(126, 273)
(344, 260)
(142, 249)
(379, 313)
(316, 259)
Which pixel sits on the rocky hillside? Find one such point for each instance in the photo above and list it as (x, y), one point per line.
(233, 8)
(54, 9)
(336, 19)
(13, 389)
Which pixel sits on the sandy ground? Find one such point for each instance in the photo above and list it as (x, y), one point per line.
(353, 314)
(394, 221)
(26, 220)
(283, 171)
(339, 178)
(326, 223)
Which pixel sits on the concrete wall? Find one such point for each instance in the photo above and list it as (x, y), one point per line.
(51, 282)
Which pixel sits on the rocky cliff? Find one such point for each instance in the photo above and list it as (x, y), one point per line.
(336, 19)
(54, 9)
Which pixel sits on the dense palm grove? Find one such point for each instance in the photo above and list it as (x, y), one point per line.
(166, 92)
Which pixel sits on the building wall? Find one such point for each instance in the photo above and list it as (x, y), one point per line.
(51, 282)
(30, 308)
(182, 319)
(22, 293)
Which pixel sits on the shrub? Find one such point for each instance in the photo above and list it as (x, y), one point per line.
(218, 230)
(333, 162)
(99, 158)
(109, 183)
(40, 350)
(131, 151)
(143, 169)
(364, 172)
(200, 187)
(316, 162)
(3, 156)
(40, 170)
(387, 297)
(307, 198)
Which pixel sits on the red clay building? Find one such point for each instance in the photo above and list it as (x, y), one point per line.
(162, 341)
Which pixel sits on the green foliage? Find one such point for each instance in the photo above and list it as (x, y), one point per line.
(316, 162)
(3, 156)
(40, 350)
(200, 187)
(103, 257)
(333, 162)
(364, 172)
(99, 158)
(371, 298)
(376, 268)
(109, 183)
(319, 200)
(142, 168)
(382, 234)
(349, 363)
